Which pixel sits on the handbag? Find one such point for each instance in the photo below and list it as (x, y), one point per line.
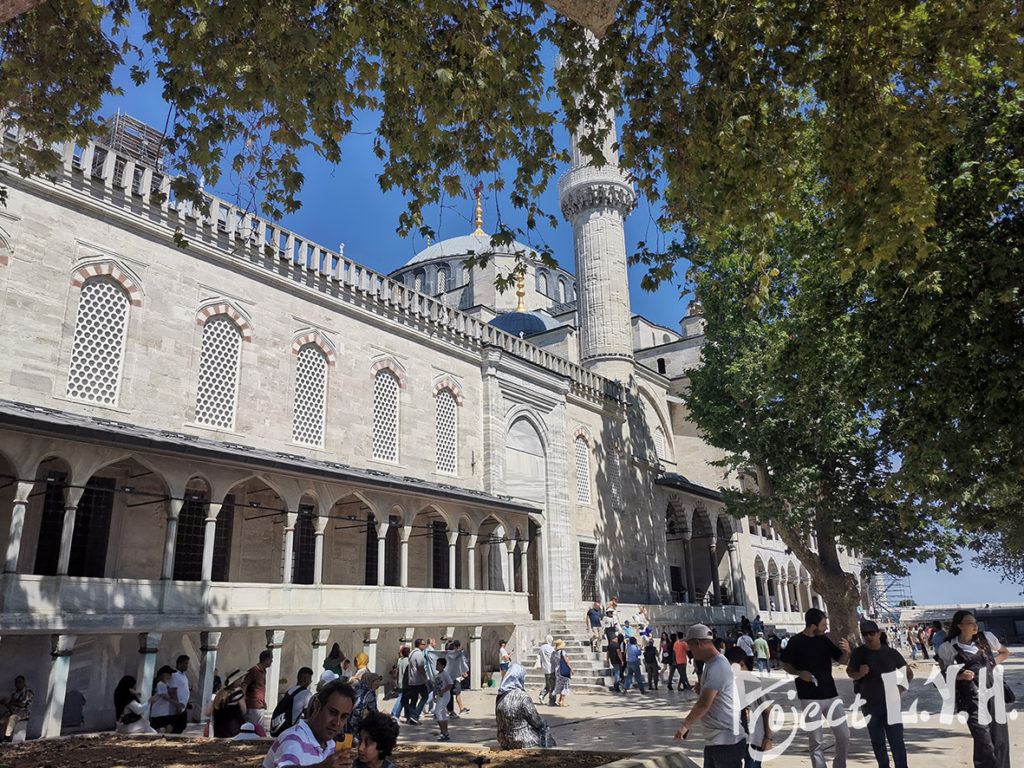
(563, 666)
(128, 717)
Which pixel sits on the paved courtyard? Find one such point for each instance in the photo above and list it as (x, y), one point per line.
(645, 723)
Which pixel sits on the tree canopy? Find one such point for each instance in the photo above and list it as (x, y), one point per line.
(714, 99)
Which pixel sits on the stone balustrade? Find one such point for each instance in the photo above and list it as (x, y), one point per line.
(118, 180)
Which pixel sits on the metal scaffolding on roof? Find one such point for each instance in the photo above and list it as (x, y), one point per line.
(888, 595)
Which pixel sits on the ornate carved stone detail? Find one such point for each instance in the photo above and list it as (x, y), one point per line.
(589, 195)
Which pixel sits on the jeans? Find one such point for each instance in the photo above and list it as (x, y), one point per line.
(831, 712)
(879, 729)
(725, 756)
(762, 665)
(411, 700)
(617, 671)
(681, 668)
(633, 669)
(549, 687)
(395, 710)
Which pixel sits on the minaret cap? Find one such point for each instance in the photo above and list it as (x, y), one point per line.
(478, 189)
(521, 290)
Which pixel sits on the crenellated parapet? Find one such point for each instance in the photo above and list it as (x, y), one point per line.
(595, 188)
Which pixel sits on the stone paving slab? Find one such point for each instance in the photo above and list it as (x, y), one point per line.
(645, 724)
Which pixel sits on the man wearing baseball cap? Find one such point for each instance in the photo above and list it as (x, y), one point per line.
(716, 708)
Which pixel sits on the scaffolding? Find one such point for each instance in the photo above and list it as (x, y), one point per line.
(132, 138)
(889, 594)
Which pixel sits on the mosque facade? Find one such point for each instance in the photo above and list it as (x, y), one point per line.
(257, 442)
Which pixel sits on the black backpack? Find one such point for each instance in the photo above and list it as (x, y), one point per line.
(281, 719)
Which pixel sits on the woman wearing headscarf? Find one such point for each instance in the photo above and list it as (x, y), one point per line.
(519, 724)
(130, 712)
(365, 701)
(979, 653)
(362, 667)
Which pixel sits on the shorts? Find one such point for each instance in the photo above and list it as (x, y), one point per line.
(503, 666)
(441, 707)
(457, 687)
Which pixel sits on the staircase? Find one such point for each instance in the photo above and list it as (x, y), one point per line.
(590, 671)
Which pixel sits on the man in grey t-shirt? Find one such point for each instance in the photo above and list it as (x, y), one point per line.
(715, 709)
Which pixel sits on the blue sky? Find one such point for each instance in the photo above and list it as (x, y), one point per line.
(344, 204)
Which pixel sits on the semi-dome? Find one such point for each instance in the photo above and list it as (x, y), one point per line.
(467, 245)
(524, 323)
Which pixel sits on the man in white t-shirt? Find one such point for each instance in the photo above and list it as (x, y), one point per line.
(716, 708)
(179, 685)
(544, 655)
(311, 741)
(304, 679)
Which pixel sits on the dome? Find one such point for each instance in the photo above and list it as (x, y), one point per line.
(464, 246)
(524, 323)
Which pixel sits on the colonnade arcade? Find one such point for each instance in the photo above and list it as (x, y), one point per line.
(703, 558)
(95, 512)
(784, 586)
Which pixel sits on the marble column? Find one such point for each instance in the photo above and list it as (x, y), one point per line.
(476, 669)
(735, 574)
(510, 561)
(57, 684)
(453, 552)
(288, 549)
(67, 533)
(471, 560)
(321, 637)
(275, 639)
(382, 550)
(318, 549)
(691, 582)
(149, 646)
(716, 588)
(485, 565)
(524, 565)
(171, 537)
(403, 578)
(209, 536)
(209, 642)
(370, 638)
(21, 495)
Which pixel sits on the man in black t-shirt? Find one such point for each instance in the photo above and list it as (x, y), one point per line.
(868, 663)
(809, 656)
(615, 660)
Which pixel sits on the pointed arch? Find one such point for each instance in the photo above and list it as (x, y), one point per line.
(229, 310)
(302, 338)
(111, 269)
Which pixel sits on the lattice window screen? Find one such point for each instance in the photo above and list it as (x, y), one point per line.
(385, 416)
(310, 396)
(218, 373)
(97, 353)
(442, 280)
(447, 432)
(615, 477)
(582, 471)
(659, 442)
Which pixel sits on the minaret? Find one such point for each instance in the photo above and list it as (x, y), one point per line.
(596, 200)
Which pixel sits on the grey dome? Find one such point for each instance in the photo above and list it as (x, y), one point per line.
(466, 245)
(524, 323)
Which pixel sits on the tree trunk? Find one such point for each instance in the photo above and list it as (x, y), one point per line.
(595, 15)
(11, 8)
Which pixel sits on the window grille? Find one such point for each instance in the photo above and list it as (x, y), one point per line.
(190, 539)
(615, 477)
(440, 555)
(582, 471)
(370, 572)
(442, 280)
(51, 524)
(385, 416)
(561, 291)
(588, 571)
(97, 353)
(393, 552)
(543, 283)
(659, 442)
(310, 396)
(92, 529)
(447, 432)
(218, 373)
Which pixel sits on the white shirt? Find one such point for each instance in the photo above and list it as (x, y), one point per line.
(179, 681)
(545, 658)
(297, 746)
(747, 644)
(947, 651)
(299, 703)
(162, 706)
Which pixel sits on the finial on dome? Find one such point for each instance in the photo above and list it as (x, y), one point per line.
(521, 290)
(477, 190)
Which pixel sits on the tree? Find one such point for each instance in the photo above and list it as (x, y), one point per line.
(715, 98)
(780, 388)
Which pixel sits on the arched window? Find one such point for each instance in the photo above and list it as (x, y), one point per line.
(442, 280)
(561, 291)
(310, 396)
(97, 352)
(385, 416)
(582, 470)
(542, 283)
(661, 365)
(465, 275)
(447, 432)
(417, 281)
(219, 358)
(659, 442)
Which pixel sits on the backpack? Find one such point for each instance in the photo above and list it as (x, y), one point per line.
(281, 719)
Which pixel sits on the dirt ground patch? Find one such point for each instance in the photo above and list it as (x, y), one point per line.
(108, 751)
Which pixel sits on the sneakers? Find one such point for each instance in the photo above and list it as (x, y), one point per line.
(412, 721)
(444, 737)
(464, 710)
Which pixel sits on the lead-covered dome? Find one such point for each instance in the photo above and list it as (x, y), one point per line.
(468, 245)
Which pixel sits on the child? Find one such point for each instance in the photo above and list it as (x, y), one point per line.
(442, 693)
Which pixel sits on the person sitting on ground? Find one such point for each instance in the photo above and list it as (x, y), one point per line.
(163, 705)
(228, 711)
(378, 736)
(519, 724)
(311, 741)
(365, 701)
(247, 733)
(19, 708)
(362, 667)
(130, 712)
